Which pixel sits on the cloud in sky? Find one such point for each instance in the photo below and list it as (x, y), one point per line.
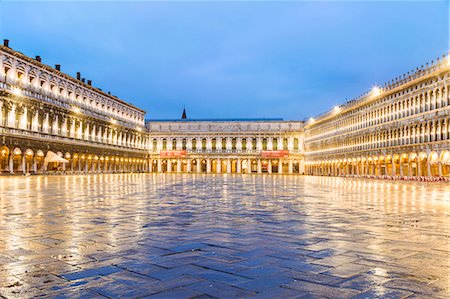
(231, 59)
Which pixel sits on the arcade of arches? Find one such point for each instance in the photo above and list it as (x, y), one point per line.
(407, 164)
(17, 160)
(227, 165)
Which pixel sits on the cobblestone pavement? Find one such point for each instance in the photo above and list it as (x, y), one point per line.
(228, 236)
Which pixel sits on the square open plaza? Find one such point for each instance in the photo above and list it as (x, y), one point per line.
(353, 203)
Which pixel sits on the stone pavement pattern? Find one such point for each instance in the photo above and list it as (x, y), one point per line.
(227, 236)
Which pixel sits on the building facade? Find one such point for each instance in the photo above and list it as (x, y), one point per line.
(43, 110)
(400, 129)
(226, 146)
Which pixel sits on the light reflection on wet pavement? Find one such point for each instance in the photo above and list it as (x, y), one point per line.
(187, 236)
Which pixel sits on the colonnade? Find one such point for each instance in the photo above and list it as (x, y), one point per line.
(431, 164)
(228, 165)
(24, 161)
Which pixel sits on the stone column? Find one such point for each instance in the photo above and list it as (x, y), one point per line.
(24, 164)
(159, 166)
(249, 166)
(280, 166)
(188, 168)
(228, 165)
(169, 165)
(301, 167)
(219, 166)
(290, 166)
(179, 165)
(238, 166)
(440, 168)
(208, 165)
(428, 168)
(259, 166)
(269, 166)
(35, 164)
(199, 167)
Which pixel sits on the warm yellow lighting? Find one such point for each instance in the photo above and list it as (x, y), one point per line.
(76, 109)
(376, 91)
(336, 109)
(113, 121)
(138, 128)
(17, 91)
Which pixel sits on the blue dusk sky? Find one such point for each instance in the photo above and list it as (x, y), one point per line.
(293, 59)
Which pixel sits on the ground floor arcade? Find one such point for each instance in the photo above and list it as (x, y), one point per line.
(32, 158)
(227, 165)
(422, 163)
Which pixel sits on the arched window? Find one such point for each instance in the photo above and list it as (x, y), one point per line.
(233, 144)
(224, 143)
(204, 144)
(214, 144)
(254, 143)
(174, 144)
(275, 143)
(155, 144)
(264, 144)
(244, 144)
(183, 143)
(194, 144)
(164, 144)
(285, 143)
(295, 144)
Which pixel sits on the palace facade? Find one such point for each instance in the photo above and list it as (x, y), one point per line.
(44, 110)
(399, 129)
(227, 146)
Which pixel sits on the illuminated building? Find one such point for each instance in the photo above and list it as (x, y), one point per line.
(399, 129)
(43, 109)
(226, 146)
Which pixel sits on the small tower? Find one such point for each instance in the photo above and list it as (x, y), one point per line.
(183, 116)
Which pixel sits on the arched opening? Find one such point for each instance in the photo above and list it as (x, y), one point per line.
(184, 165)
(214, 166)
(164, 165)
(17, 160)
(275, 166)
(29, 161)
(433, 159)
(445, 162)
(296, 167)
(4, 159)
(423, 160)
(203, 166)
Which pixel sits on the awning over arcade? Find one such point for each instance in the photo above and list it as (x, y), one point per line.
(52, 158)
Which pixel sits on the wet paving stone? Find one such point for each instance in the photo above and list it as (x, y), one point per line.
(222, 236)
